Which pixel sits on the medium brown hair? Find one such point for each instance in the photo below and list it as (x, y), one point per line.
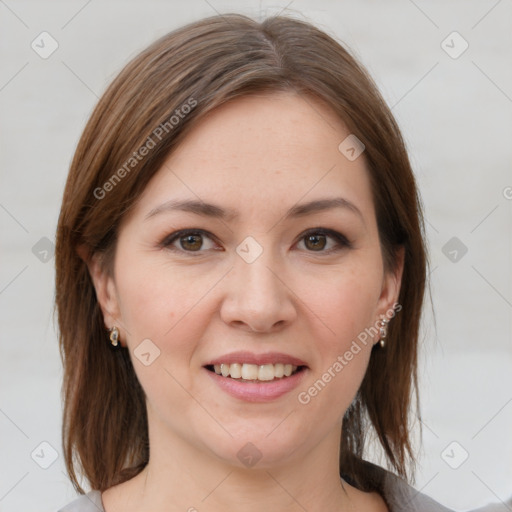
(208, 63)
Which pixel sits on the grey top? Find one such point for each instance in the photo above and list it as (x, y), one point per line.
(397, 493)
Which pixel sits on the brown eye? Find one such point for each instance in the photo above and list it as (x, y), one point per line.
(315, 242)
(191, 242)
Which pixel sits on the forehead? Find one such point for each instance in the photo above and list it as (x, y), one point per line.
(262, 151)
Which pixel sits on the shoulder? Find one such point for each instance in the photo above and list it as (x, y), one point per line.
(366, 500)
(89, 502)
(402, 497)
(399, 495)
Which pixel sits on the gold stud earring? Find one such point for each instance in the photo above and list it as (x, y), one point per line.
(114, 336)
(383, 331)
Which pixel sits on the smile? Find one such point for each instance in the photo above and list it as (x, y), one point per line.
(253, 372)
(252, 389)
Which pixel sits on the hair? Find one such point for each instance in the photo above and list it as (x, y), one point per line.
(204, 65)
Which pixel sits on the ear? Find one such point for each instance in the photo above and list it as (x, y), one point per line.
(391, 284)
(105, 287)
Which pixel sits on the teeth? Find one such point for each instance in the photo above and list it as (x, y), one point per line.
(263, 372)
(266, 372)
(249, 371)
(235, 370)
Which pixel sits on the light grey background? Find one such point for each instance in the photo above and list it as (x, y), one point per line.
(455, 114)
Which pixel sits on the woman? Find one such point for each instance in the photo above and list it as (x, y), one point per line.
(240, 276)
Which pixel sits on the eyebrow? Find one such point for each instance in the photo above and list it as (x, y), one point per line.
(227, 214)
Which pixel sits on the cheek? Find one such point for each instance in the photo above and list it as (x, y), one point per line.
(345, 301)
(150, 297)
(345, 305)
(167, 307)
(165, 304)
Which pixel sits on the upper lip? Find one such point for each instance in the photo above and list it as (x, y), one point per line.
(258, 359)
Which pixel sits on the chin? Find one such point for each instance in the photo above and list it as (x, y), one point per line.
(256, 449)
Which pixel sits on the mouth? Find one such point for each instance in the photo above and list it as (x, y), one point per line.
(253, 377)
(244, 372)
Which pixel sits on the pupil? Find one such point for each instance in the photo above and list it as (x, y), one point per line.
(190, 239)
(315, 239)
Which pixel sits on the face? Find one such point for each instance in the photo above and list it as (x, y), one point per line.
(259, 274)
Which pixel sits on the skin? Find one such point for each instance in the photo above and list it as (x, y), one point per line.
(259, 155)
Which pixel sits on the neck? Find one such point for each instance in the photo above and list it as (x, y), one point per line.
(184, 477)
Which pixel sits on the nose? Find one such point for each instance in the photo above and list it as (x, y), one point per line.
(258, 298)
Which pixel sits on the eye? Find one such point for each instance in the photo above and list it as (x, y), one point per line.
(317, 239)
(190, 240)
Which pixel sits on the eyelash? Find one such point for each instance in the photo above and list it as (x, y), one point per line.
(341, 241)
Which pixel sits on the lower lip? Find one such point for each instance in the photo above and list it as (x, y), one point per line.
(257, 391)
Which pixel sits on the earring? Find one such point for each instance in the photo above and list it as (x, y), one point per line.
(383, 331)
(114, 335)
